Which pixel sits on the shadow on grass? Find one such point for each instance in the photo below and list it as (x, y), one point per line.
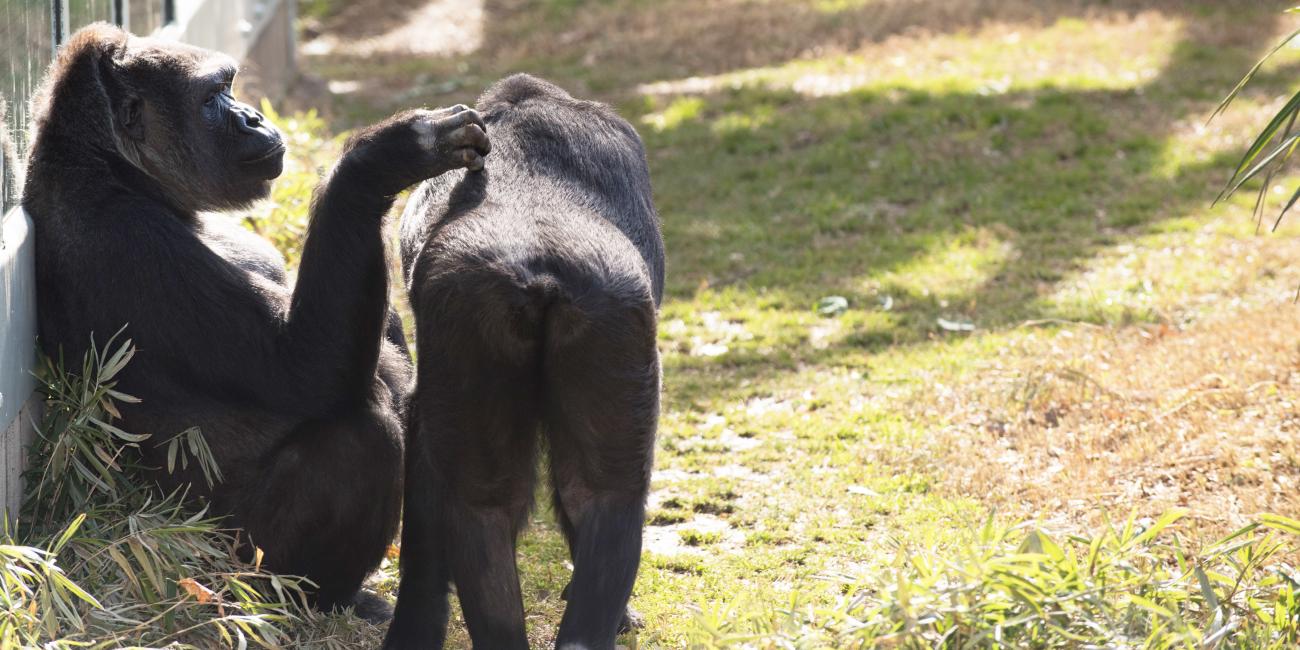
(789, 197)
(608, 48)
(843, 195)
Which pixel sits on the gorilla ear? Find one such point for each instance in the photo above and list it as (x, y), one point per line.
(130, 116)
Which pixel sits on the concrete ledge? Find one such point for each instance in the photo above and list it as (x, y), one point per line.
(259, 33)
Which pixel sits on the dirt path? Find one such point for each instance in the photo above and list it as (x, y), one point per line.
(401, 27)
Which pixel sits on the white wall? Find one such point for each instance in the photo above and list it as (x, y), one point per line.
(18, 407)
(230, 26)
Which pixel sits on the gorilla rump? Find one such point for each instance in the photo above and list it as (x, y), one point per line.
(295, 388)
(535, 286)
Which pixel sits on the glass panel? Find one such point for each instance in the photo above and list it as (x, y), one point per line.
(146, 16)
(25, 50)
(84, 12)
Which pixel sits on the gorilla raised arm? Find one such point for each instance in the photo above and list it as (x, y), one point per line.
(294, 388)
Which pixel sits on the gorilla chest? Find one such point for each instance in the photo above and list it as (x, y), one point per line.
(241, 248)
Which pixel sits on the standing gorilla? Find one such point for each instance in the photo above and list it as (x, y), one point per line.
(535, 286)
(294, 388)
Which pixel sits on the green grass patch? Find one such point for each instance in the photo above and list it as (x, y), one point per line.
(964, 188)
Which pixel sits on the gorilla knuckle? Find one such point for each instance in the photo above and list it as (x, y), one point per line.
(426, 133)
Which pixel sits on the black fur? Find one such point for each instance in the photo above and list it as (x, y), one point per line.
(535, 287)
(294, 388)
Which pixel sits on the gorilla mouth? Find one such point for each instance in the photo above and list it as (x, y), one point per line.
(273, 152)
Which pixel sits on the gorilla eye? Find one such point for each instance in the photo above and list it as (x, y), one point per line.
(223, 89)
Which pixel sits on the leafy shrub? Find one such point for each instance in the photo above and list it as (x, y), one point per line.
(1272, 149)
(1017, 587)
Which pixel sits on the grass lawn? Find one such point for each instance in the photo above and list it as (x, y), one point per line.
(1046, 320)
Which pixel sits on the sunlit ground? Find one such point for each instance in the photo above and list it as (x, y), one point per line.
(1046, 319)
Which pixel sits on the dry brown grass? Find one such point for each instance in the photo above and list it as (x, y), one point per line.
(1087, 420)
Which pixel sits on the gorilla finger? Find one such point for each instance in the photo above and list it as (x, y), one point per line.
(475, 119)
(471, 136)
(445, 112)
(473, 161)
(466, 117)
(477, 138)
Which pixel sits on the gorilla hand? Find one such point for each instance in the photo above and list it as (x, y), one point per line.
(416, 145)
(453, 137)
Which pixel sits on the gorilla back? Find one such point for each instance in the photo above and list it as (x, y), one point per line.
(535, 287)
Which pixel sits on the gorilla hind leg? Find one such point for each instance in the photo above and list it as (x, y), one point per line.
(482, 561)
(446, 539)
(420, 620)
(601, 413)
(327, 504)
(632, 619)
(471, 459)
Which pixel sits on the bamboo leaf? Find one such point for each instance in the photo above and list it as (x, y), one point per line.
(1280, 522)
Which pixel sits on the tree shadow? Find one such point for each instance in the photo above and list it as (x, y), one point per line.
(1057, 176)
(792, 197)
(607, 49)
(640, 42)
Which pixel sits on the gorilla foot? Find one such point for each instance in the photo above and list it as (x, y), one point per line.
(372, 607)
(632, 621)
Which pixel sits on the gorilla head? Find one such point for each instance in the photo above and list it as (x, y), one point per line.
(166, 109)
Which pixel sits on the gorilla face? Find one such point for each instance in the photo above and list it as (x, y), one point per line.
(176, 119)
(254, 147)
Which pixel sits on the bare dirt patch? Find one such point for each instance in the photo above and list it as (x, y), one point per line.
(428, 28)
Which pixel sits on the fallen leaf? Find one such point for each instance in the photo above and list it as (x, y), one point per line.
(198, 591)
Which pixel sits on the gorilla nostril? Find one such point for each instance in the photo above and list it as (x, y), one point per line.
(247, 118)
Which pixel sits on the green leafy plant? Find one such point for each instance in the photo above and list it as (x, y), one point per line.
(1272, 148)
(1130, 585)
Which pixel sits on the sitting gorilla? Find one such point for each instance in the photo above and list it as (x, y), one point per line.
(294, 388)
